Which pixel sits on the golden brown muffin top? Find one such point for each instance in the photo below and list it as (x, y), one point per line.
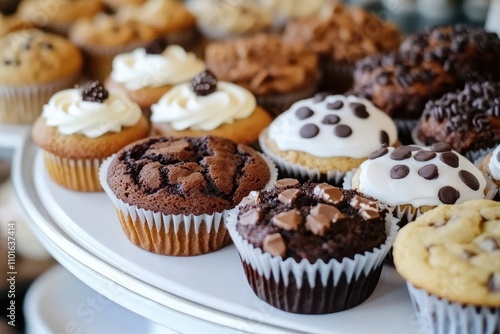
(12, 23)
(41, 13)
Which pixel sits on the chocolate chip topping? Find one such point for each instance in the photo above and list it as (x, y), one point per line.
(303, 113)
(448, 195)
(359, 110)
(469, 179)
(384, 138)
(288, 196)
(378, 153)
(440, 147)
(156, 46)
(335, 105)
(251, 217)
(331, 119)
(94, 91)
(494, 282)
(204, 83)
(328, 193)
(252, 199)
(368, 209)
(288, 220)
(286, 182)
(449, 158)
(309, 130)
(320, 97)
(429, 172)
(399, 171)
(342, 131)
(401, 153)
(424, 155)
(275, 245)
(320, 218)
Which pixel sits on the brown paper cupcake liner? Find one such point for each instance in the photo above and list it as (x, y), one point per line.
(277, 104)
(336, 78)
(185, 38)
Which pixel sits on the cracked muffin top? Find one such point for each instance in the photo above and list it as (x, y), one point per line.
(186, 175)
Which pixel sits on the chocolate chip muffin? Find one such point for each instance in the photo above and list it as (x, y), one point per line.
(468, 119)
(172, 194)
(315, 228)
(450, 258)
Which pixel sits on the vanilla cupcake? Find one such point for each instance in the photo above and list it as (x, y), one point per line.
(208, 107)
(13, 23)
(80, 127)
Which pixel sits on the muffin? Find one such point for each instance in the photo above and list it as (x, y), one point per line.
(145, 74)
(34, 66)
(468, 120)
(311, 248)
(490, 166)
(172, 195)
(58, 16)
(411, 180)
(276, 72)
(102, 37)
(12, 23)
(208, 107)
(324, 137)
(80, 127)
(114, 5)
(450, 258)
(340, 36)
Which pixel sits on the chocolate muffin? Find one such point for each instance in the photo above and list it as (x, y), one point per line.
(179, 190)
(468, 119)
(315, 228)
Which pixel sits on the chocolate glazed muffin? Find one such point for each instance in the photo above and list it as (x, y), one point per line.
(289, 229)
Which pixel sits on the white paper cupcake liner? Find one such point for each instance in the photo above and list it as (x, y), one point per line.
(440, 316)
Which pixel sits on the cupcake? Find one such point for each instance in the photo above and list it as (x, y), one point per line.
(172, 195)
(468, 120)
(208, 107)
(80, 127)
(34, 66)
(278, 73)
(102, 37)
(311, 248)
(340, 36)
(490, 165)
(324, 137)
(410, 180)
(58, 16)
(114, 5)
(450, 259)
(145, 74)
(12, 23)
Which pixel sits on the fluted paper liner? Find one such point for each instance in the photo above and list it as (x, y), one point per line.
(355, 279)
(172, 234)
(441, 316)
(74, 174)
(278, 103)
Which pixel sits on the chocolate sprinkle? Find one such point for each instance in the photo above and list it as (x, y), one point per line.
(401, 153)
(342, 131)
(204, 83)
(469, 179)
(423, 155)
(378, 153)
(303, 113)
(448, 195)
(429, 172)
(399, 172)
(335, 105)
(331, 119)
(94, 91)
(384, 137)
(440, 147)
(309, 131)
(449, 158)
(359, 110)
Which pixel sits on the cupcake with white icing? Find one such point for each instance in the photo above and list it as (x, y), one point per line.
(490, 165)
(81, 127)
(206, 106)
(324, 137)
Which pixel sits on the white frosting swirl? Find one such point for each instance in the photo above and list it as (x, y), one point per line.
(365, 137)
(183, 109)
(375, 180)
(494, 164)
(71, 115)
(138, 69)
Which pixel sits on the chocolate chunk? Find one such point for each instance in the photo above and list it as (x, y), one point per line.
(204, 83)
(469, 179)
(423, 155)
(156, 46)
(489, 244)
(304, 112)
(321, 217)
(320, 97)
(288, 220)
(494, 282)
(440, 147)
(448, 195)
(94, 91)
(449, 158)
(287, 182)
(309, 131)
(288, 196)
(332, 213)
(429, 172)
(399, 172)
(368, 209)
(47, 45)
(378, 153)
(252, 199)
(328, 193)
(359, 110)
(331, 119)
(384, 137)
(401, 153)
(335, 105)
(274, 244)
(342, 131)
(251, 217)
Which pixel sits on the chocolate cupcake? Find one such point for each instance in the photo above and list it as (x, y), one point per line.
(311, 248)
(172, 195)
